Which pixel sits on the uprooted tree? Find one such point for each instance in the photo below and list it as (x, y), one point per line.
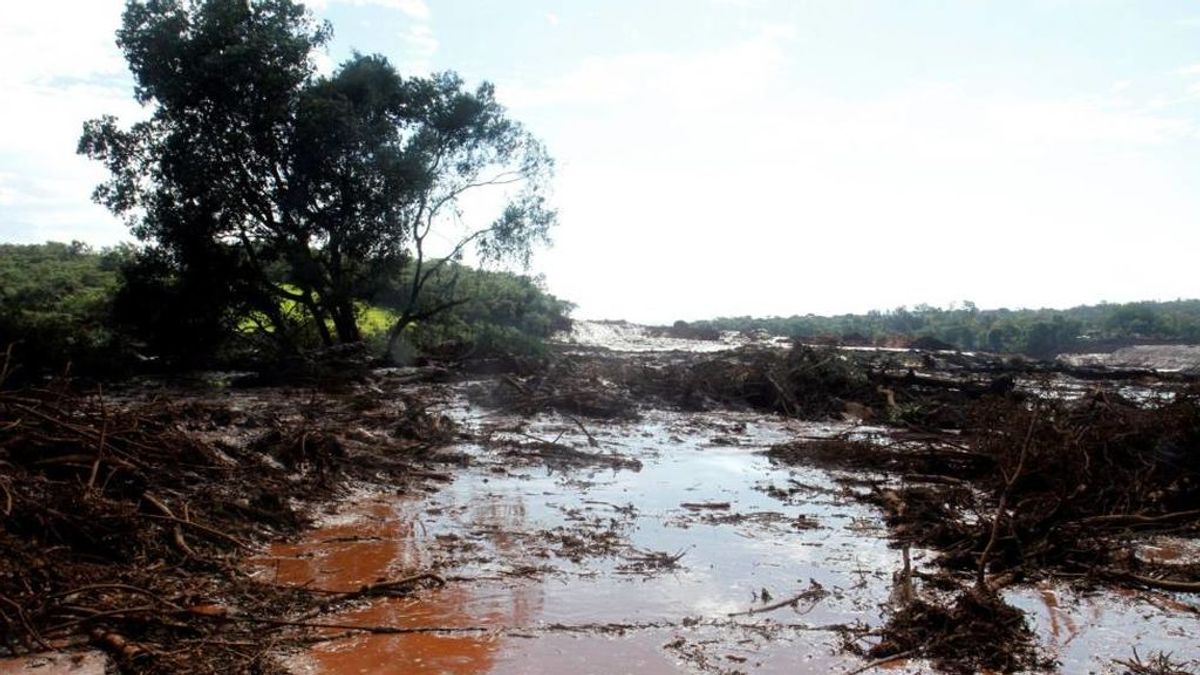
(306, 190)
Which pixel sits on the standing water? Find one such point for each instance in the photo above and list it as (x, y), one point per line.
(674, 545)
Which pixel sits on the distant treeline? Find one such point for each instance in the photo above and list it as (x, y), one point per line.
(111, 312)
(56, 303)
(1036, 332)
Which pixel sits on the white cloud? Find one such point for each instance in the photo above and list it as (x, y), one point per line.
(322, 62)
(698, 79)
(417, 9)
(726, 161)
(817, 200)
(59, 66)
(552, 18)
(9, 196)
(53, 80)
(40, 40)
(741, 96)
(422, 44)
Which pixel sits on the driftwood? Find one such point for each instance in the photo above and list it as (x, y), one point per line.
(814, 593)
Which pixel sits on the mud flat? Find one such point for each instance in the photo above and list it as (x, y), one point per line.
(708, 557)
(1169, 358)
(759, 509)
(672, 563)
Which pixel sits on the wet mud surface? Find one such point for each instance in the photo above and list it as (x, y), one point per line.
(671, 509)
(703, 556)
(606, 566)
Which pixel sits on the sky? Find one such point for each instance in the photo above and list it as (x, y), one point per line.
(752, 157)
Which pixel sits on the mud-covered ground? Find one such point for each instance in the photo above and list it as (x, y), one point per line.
(664, 511)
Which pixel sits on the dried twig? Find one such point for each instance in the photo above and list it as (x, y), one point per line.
(217, 534)
(1002, 507)
(813, 594)
(878, 663)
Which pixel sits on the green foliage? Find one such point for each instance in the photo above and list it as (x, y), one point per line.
(188, 315)
(486, 312)
(55, 303)
(66, 303)
(299, 187)
(1037, 332)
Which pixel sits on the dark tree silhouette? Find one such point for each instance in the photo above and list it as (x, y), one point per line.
(306, 187)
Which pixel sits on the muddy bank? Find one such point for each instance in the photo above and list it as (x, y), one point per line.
(125, 512)
(706, 554)
(943, 577)
(687, 560)
(1167, 358)
(764, 509)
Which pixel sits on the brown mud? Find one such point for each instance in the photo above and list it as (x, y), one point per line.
(758, 510)
(125, 513)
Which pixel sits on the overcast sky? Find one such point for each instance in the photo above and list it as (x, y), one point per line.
(728, 157)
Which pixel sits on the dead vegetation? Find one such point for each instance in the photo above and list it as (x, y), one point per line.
(569, 386)
(1021, 486)
(989, 463)
(803, 382)
(123, 523)
(1061, 478)
(1158, 663)
(975, 632)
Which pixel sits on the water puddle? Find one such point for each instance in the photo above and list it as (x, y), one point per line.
(1085, 632)
(627, 337)
(637, 568)
(671, 565)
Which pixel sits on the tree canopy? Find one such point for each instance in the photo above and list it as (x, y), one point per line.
(55, 308)
(1036, 332)
(295, 186)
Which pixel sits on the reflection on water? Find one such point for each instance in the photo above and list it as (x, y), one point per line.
(1086, 631)
(547, 549)
(538, 558)
(380, 538)
(368, 543)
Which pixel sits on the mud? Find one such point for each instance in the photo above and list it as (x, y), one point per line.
(627, 337)
(675, 552)
(673, 510)
(124, 512)
(667, 566)
(1177, 358)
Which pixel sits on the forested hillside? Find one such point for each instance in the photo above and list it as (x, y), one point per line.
(1037, 332)
(115, 310)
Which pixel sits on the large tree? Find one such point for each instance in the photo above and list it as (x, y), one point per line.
(308, 187)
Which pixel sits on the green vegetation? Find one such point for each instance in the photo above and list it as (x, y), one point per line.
(113, 311)
(490, 314)
(265, 190)
(56, 303)
(1036, 332)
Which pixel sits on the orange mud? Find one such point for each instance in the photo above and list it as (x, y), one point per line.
(556, 568)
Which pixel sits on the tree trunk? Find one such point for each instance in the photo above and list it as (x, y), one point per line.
(345, 323)
(394, 335)
(265, 301)
(318, 316)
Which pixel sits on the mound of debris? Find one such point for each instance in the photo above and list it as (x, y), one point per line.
(122, 524)
(975, 632)
(1010, 486)
(568, 386)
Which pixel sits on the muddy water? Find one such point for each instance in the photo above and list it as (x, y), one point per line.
(552, 567)
(627, 337)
